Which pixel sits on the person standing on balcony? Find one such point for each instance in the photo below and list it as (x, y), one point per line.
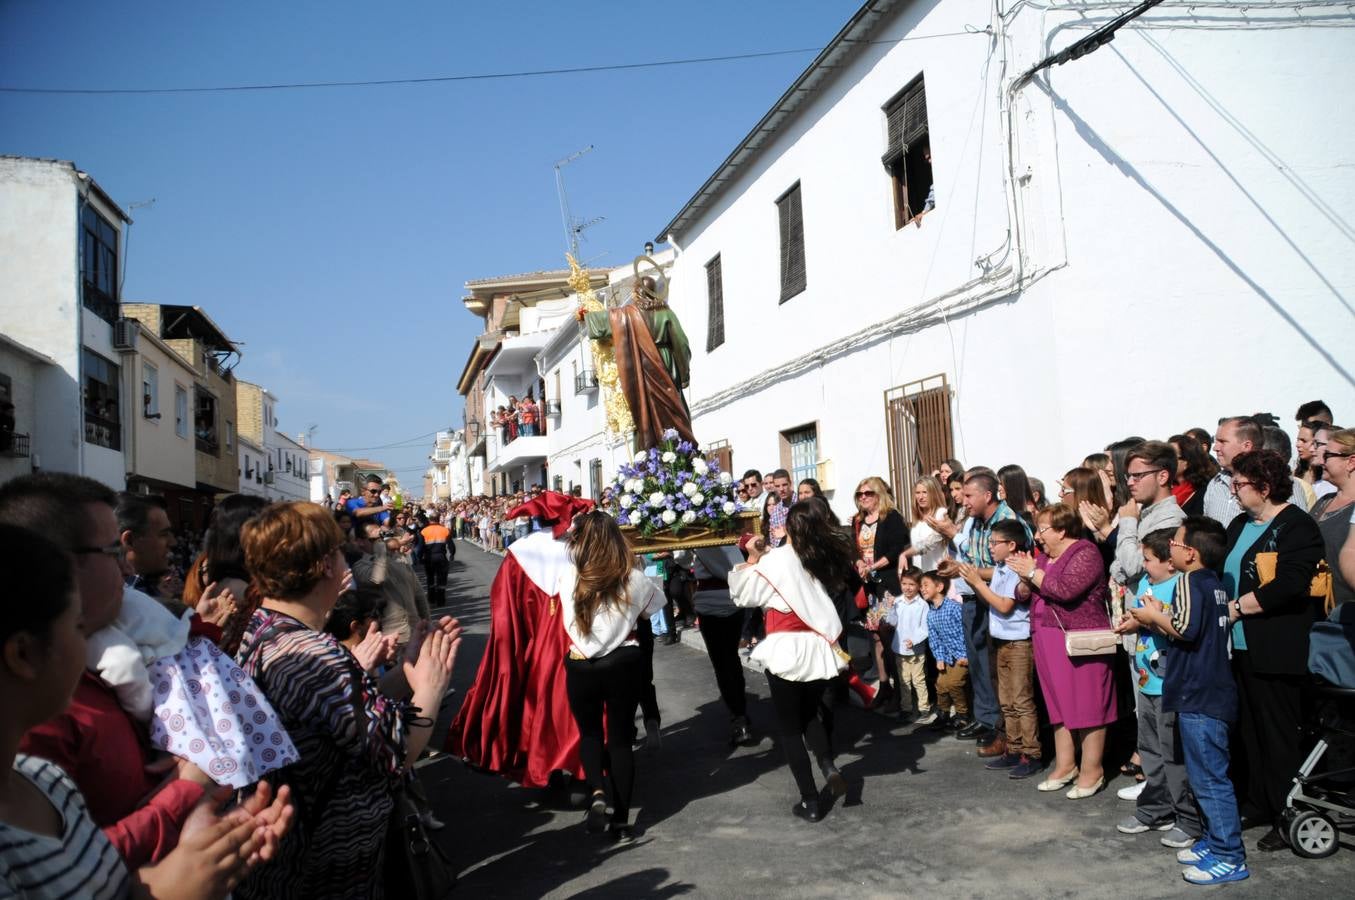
(529, 412)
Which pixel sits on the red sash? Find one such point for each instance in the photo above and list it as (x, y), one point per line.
(778, 621)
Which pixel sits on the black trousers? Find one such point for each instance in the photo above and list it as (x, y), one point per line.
(721, 636)
(649, 698)
(435, 575)
(797, 721)
(610, 686)
(1268, 719)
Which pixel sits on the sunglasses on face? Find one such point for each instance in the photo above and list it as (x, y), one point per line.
(865, 493)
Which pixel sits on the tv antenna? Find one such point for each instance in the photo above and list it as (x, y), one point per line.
(574, 228)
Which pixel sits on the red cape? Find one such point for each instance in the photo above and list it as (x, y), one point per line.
(515, 720)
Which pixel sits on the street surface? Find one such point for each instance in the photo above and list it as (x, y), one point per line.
(922, 817)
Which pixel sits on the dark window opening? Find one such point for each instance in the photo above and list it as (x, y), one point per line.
(790, 215)
(907, 157)
(103, 416)
(99, 264)
(715, 295)
(204, 421)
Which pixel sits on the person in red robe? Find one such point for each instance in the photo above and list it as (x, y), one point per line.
(515, 720)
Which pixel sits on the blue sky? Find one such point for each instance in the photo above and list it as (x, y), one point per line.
(330, 230)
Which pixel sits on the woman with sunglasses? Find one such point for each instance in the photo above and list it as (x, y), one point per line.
(1332, 512)
(881, 538)
(1273, 552)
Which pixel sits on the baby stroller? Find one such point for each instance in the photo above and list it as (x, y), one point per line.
(1319, 805)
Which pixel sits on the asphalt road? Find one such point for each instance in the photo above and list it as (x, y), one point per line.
(922, 817)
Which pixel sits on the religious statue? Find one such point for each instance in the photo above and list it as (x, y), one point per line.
(651, 353)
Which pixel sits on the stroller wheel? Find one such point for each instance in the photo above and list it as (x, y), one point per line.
(1312, 835)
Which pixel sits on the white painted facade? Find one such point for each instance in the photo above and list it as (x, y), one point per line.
(157, 448)
(288, 462)
(253, 465)
(41, 201)
(448, 474)
(1140, 241)
(22, 371)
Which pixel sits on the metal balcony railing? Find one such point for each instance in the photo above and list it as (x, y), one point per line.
(14, 445)
(585, 381)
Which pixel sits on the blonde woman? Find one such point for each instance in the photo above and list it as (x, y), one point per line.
(881, 538)
(928, 545)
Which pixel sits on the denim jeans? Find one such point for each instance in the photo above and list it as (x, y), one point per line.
(1204, 743)
(979, 647)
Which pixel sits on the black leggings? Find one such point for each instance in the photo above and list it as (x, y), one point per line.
(721, 637)
(611, 683)
(797, 720)
(649, 698)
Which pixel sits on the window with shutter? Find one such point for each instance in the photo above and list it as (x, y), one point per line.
(791, 218)
(907, 156)
(715, 297)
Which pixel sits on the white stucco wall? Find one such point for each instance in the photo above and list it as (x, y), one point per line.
(25, 373)
(1183, 214)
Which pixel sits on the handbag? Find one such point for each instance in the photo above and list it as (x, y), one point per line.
(416, 867)
(1093, 642)
(1320, 587)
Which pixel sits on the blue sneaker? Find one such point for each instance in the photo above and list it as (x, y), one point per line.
(1212, 870)
(1194, 853)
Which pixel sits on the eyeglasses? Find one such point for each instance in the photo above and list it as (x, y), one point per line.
(1135, 476)
(1175, 543)
(1341, 455)
(993, 542)
(1044, 529)
(865, 493)
(114, 550)
(1238, 483)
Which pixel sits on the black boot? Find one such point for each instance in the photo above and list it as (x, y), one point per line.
(837, 785)
(741, 735)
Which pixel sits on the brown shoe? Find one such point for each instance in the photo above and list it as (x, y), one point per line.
(996, 748)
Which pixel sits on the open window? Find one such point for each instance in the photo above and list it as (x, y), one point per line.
(204, 421)
(103, 416)
(908, 156)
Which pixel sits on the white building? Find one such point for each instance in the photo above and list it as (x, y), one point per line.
(289, 460)
(61, 240)
(253, 467)
(21, 372)
(286, 469)
(1142, 240)
(449, 477)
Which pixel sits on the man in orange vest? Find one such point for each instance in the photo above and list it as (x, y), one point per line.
(438, 552)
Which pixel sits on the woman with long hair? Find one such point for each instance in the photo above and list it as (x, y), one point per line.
(1195, 468)
(602, 597)
(795, 584)
(1014, 487)
(881, 540)
(926, 545)
(808, 487)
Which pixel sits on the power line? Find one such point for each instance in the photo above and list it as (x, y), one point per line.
(479, 76)
(408, 442)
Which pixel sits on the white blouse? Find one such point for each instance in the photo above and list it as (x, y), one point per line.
(612, 627)
(792, 655)
(929, 547)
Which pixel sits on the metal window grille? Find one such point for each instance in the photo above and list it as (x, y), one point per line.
(804, 453)
(918, 430)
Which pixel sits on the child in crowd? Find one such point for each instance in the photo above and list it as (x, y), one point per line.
(908, 617)
(1165, 803)
(1199, 688)
(945, 636)
(199, 703)
(1008, 599)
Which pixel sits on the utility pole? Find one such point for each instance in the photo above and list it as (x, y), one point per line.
(574, 228)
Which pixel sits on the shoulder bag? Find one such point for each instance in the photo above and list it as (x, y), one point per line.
(1093, 642)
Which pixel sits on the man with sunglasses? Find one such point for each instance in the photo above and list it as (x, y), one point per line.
(369, 505)
(1150, 470)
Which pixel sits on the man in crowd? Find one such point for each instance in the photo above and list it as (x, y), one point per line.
(405, 603)
(1237, 434)
(146, 537)
(438, 552)
(1150, 470)
(982, 505)
(751, 484)
(1314, 409)
(1321, 434)
(369, 505)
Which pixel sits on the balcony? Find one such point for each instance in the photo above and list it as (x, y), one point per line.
(519, 452)
(14, 446)
(586, 382)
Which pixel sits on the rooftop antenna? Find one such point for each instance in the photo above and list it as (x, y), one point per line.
(574, 228)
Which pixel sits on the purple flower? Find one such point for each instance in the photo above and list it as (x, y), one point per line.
(623, 519)
(670, 434)
(685, 447)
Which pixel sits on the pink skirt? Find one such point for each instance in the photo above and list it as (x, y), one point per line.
(1080, 692)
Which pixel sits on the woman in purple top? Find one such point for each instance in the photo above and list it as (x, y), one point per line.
(1069, 594)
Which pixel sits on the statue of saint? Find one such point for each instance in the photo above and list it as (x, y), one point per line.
(653, 357)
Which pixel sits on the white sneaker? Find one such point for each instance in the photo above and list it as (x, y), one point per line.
(928, 719)
(1132, 792)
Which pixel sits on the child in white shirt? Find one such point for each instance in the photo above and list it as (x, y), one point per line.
(200, 705)
(909, 618)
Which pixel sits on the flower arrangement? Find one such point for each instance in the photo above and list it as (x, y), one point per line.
(671, 487)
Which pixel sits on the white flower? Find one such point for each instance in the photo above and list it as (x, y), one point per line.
(726, 478)
(689, 488)
(656, 498)
(669, 517)
(699, 466)
(668, 456)
(641, 456)
(688, 517)
(698, 498)
(627, 501)
(729, 507)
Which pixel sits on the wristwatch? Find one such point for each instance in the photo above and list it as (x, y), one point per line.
(1237, 608)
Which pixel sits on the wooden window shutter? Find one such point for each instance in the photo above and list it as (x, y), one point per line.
(906, 116)
(715, 294)
(791, 217)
